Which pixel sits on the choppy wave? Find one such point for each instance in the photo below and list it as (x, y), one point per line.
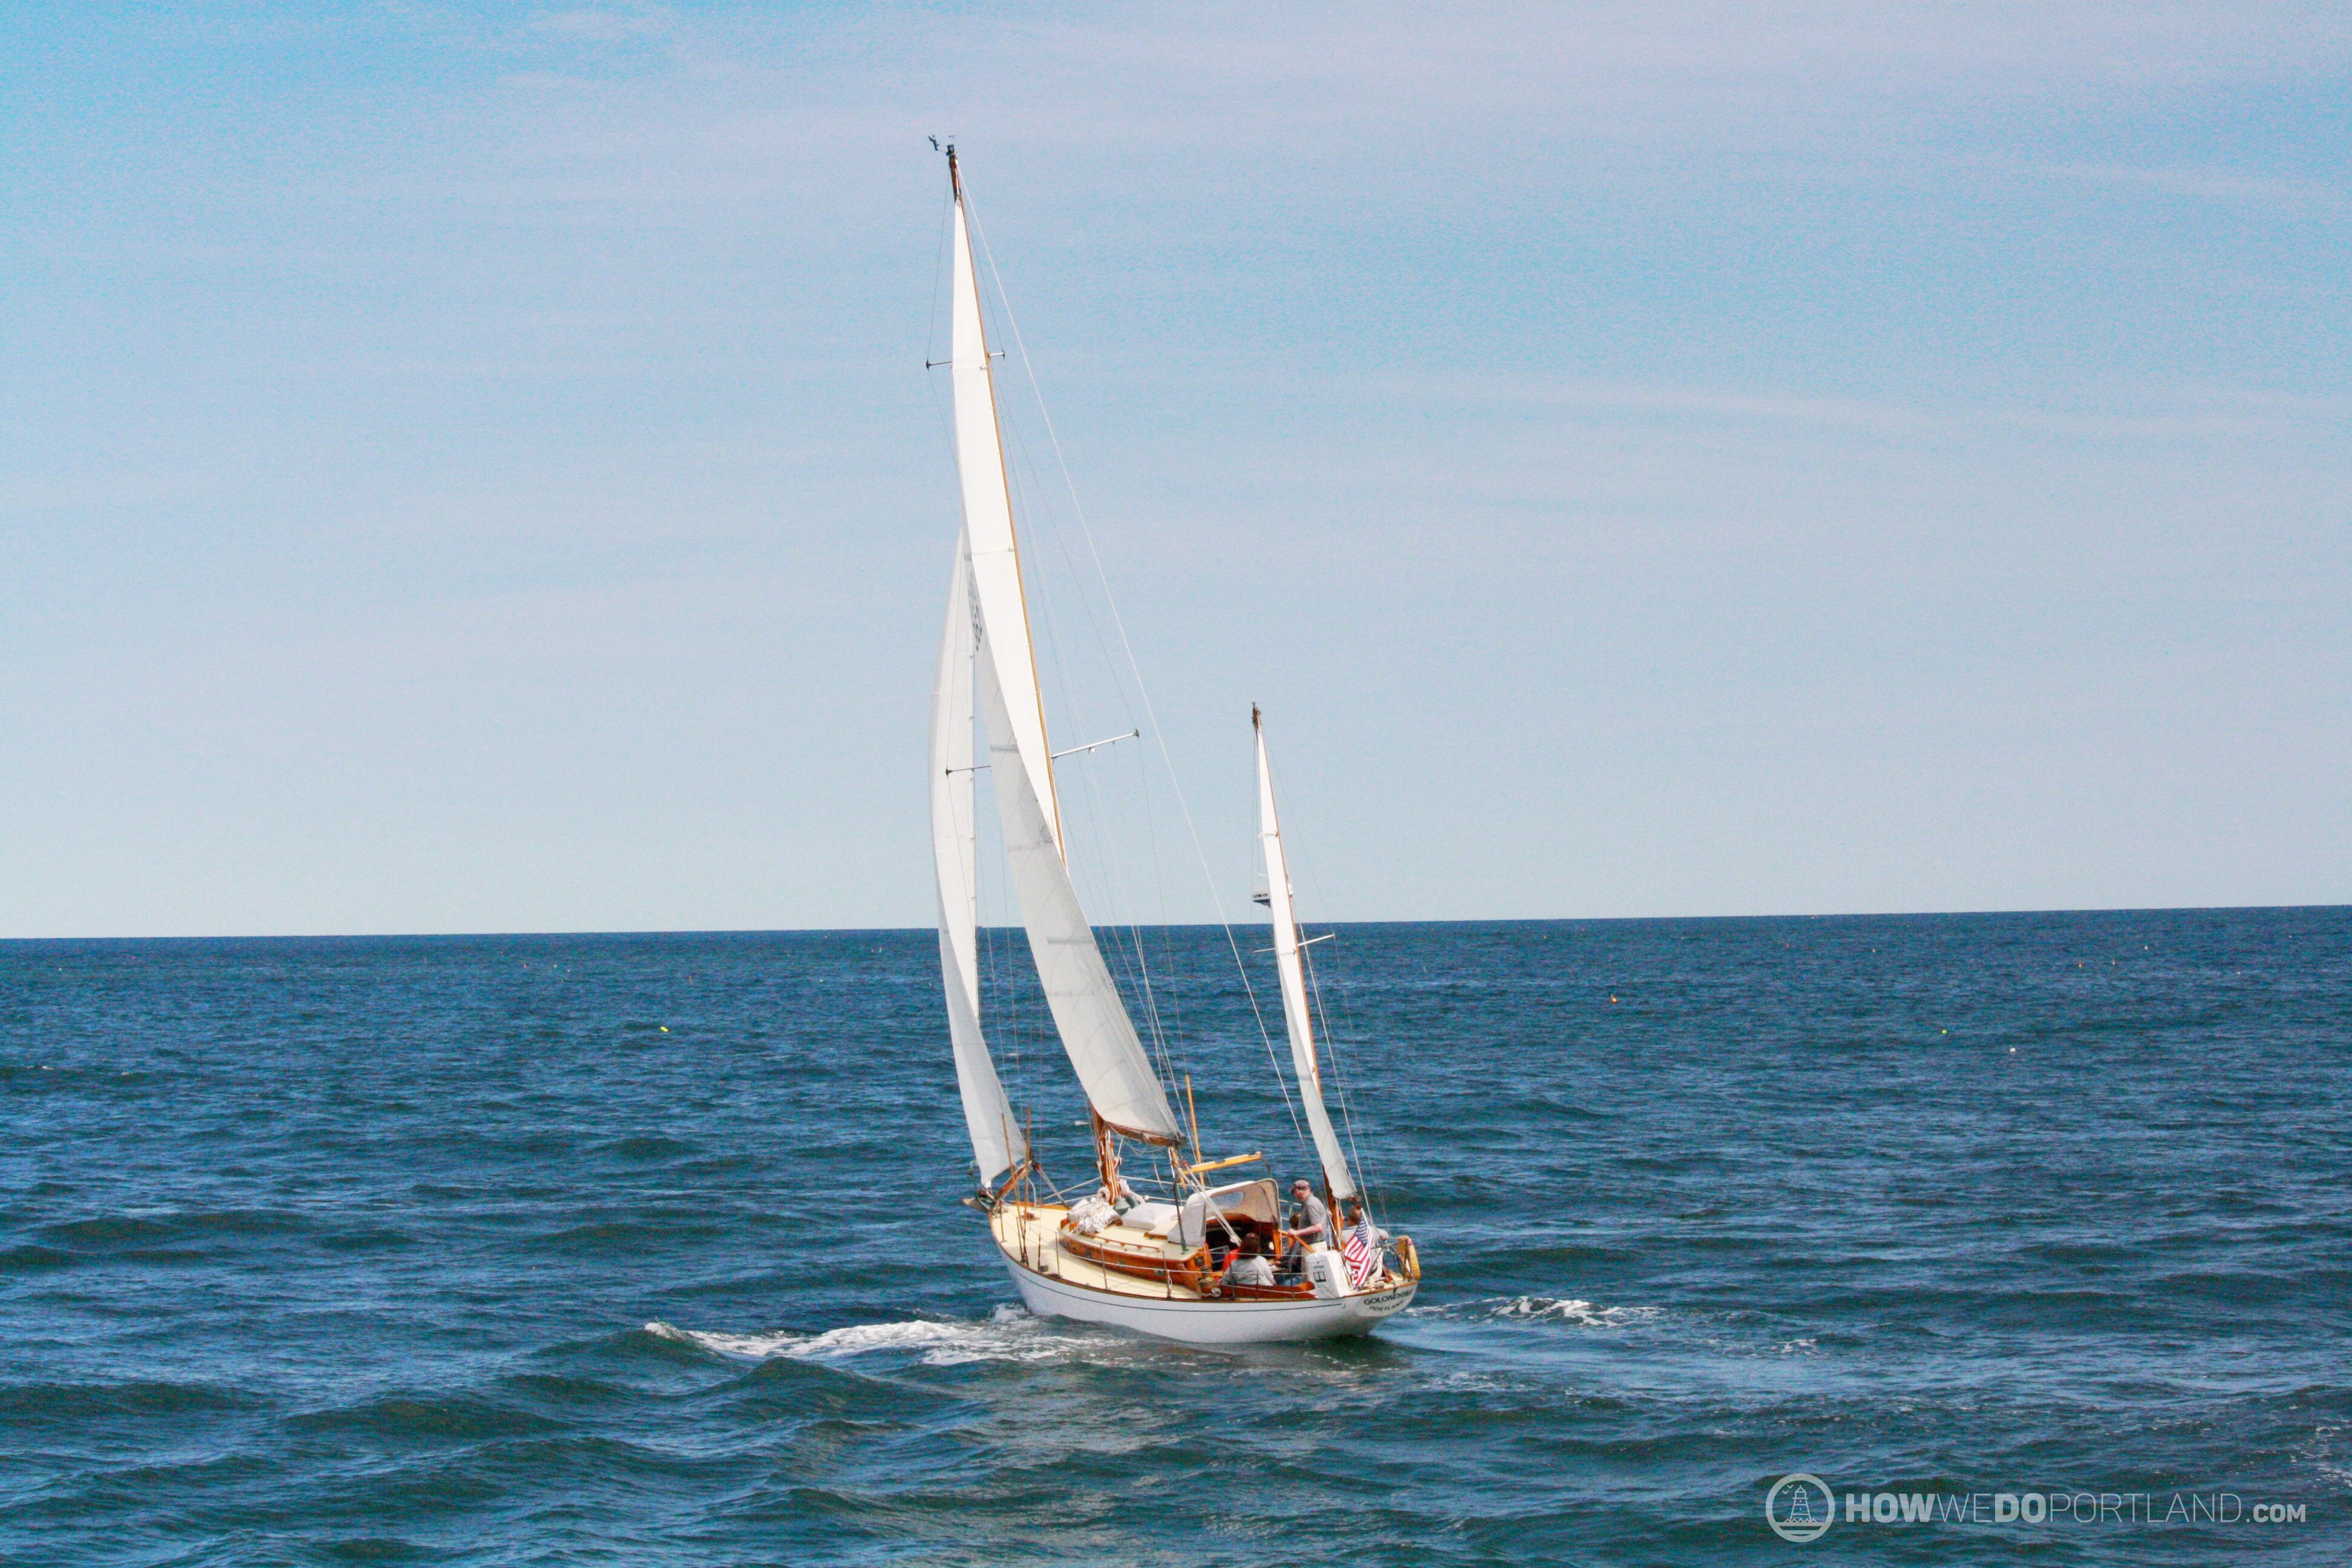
(355, 1264)
(35, 1401)
(465, 1416)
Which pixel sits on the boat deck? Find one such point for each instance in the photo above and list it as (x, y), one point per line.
(1028, 1233)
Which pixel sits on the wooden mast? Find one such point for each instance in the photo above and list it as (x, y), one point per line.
(1105, 1153)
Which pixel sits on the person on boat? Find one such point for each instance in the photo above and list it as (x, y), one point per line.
(1314, 1220)
(1361, 1243)
(1248, 1266)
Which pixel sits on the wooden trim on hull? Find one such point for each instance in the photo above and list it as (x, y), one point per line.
(1189, 1273)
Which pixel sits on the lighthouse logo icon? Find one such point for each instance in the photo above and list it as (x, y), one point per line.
(1799, 1508)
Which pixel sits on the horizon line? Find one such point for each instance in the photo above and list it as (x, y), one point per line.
(1188, 925)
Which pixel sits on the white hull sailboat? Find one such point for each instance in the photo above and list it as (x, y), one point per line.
(1154, 1244)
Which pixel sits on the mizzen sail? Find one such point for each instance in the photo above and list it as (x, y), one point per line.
(1297, 1018)
(997, 1145)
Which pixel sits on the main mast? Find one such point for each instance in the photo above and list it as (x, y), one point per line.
(1123, 1092)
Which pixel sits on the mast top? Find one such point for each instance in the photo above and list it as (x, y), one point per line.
(955, 174)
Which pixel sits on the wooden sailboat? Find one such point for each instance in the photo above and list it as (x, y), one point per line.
(1155, 1244)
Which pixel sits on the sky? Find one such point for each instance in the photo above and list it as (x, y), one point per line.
(473, 468)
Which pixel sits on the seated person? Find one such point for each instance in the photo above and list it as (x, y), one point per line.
(1248, 1266)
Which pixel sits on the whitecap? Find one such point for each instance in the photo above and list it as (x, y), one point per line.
(750, 1347)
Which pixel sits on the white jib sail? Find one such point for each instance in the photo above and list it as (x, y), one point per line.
(988, 521)
(1296, 1017)
(1088, 1012)
(997, 1142)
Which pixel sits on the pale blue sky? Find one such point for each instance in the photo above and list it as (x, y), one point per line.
(471, 469)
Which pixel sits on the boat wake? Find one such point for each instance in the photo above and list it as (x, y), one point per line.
(1534, 1309)
(1540, 1309)
(1007, 1334)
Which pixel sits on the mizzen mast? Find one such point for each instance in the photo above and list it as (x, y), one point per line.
(1297, 1017)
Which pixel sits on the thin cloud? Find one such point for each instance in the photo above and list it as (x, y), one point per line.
(2216, 184)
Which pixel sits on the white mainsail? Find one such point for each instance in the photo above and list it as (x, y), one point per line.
(988, 521)
(997, 1145)
(1088, 1012)
(1296, 1017)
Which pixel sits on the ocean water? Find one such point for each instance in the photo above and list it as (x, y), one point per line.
(646, 1250)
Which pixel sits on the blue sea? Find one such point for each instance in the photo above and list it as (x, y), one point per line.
(646, 1251)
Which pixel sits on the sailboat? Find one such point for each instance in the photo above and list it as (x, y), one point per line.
(1162, 1242)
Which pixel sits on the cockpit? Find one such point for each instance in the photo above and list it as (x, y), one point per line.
(1221, 1216)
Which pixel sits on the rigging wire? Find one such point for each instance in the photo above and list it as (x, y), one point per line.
(1128, 946)
(1143, 689)
(1101, 868)
(1343, 1079)
(1126, 949)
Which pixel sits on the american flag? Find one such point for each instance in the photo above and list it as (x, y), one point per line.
(1361, 1248)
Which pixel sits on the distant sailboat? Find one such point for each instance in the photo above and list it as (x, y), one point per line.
(1161, 1249)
